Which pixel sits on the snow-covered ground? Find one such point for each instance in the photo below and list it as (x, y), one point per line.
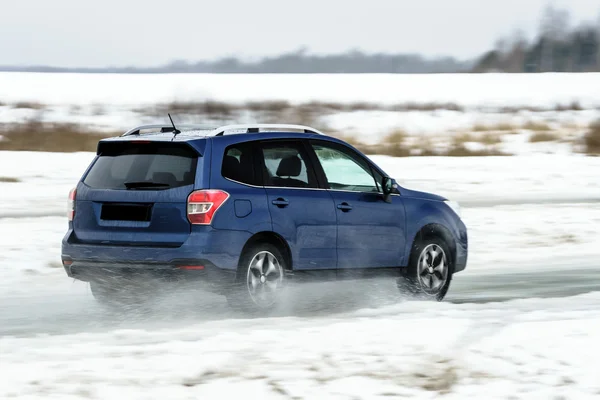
(533, 228)
(564, 104)
(469, 90)
(521, 349)
(536, 214)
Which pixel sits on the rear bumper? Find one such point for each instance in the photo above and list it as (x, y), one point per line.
(87, 270)
(217, 251)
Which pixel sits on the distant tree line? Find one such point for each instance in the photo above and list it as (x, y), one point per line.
(556, 48)
(299, 61)
(355, 61)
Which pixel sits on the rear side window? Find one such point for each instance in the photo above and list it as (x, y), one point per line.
(238, 164)
(143, 166)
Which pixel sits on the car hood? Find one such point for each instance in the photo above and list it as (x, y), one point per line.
(420, 195)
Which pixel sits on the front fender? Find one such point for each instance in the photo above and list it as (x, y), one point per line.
(422, 212)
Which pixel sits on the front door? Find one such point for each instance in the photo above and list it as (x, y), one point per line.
(370, 232)
(301, 213)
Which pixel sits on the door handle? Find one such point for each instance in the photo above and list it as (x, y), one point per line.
(280, 202)
(345, 207)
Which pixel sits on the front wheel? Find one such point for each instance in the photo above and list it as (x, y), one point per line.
(429, 271)
(260, 280)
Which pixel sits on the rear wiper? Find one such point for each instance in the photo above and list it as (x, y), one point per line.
(145, 184)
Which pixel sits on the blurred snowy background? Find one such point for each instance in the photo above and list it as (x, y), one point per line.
(517, 148)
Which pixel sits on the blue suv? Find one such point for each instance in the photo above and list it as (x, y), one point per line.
(244, 209)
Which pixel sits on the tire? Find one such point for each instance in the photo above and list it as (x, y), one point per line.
(260, 280)
(429, 271)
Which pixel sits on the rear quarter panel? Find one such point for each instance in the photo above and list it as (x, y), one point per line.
(246, 209)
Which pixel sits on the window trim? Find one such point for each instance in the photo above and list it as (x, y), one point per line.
(312, 161)
(352, 154)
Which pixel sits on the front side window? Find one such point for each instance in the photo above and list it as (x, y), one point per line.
(344, 171)
(285, 165)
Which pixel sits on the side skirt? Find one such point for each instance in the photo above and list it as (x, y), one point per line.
(325, 275)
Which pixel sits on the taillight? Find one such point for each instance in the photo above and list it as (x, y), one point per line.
(71, 204)
(203, 204)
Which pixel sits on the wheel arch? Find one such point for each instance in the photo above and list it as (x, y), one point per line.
(272, 238)
(438, 231)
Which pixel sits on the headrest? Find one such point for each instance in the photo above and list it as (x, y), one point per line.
(289, 166)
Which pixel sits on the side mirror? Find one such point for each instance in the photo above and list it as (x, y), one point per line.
(389, 186)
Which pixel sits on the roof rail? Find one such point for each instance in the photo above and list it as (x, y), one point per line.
(254, 128)
(166, 128)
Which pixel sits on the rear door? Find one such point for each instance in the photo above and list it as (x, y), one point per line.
(370, 232)
(301, 212)
(136, 193)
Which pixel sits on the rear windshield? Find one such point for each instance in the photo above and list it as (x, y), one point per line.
(146, 166)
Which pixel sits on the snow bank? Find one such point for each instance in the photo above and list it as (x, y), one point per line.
(372, 126)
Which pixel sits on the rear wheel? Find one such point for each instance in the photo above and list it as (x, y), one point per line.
(260, 280)
(429, 271)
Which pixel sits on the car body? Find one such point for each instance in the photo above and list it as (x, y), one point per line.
(199, 204)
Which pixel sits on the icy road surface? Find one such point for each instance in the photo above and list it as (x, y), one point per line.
(521, 322)
(534, 348)
(67, 306)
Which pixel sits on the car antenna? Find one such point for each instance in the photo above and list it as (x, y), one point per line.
(175, 130)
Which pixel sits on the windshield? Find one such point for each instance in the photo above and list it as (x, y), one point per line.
(143, 166)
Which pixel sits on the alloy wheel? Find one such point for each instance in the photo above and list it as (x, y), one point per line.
(264, 279)
(432, 269)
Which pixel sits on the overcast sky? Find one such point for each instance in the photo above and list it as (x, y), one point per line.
(149, 32)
